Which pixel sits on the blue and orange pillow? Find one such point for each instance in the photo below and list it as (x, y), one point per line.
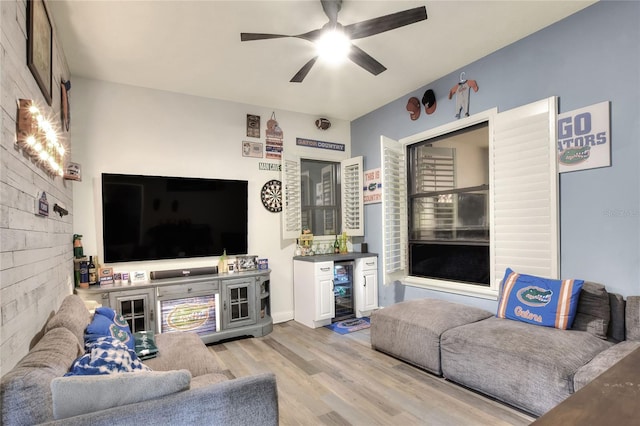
(540, 301)
(107, 322)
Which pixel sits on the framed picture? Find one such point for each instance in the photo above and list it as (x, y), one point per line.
(247, 263)
(252, 149)
(253, 126)
(40, 46)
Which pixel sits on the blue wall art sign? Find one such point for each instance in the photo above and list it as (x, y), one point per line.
(320, 144)
(584, 138)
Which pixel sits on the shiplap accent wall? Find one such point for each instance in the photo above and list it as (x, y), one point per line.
(36, 253)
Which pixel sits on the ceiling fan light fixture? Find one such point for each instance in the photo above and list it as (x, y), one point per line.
(333, 46)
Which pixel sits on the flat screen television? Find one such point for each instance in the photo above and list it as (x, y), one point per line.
(157, 217)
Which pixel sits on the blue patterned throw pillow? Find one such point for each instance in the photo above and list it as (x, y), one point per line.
(539, 301)
(107, 322)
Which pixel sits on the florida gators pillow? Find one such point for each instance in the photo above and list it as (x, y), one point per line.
(539, 301)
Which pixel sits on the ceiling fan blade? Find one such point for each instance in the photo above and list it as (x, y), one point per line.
(362, 58)
(310, 36)
(385, 23)
(331, 9)
(259, 36)
(300, 75)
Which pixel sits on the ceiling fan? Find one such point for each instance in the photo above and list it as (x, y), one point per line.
(352, 32)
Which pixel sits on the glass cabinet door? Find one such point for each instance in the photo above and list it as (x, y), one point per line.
(239, 304)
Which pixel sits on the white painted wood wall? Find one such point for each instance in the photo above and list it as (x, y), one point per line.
(36, 253)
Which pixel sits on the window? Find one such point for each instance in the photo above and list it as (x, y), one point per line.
(324, 196)
(425, 219)
(320, 201)
(448, 182)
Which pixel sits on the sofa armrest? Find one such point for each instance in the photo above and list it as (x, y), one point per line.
(602, 362)
(632, 323)
(246, 400)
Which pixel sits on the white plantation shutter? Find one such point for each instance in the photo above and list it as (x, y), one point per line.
(291, 198)
(352, 201)
(394, 210)
(524, 192)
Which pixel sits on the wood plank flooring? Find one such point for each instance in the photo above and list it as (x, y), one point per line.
(325, 378)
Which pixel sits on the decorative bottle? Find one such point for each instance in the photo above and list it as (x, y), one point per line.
(93, 277)
(222, 262)
(336, 246)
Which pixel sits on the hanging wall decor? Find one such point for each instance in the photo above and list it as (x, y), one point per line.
(65, 111)
(40, 46)
(462, 90)
(274, 139)
(253, 126)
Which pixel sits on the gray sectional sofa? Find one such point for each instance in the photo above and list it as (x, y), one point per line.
(530, 367)
(186, 386)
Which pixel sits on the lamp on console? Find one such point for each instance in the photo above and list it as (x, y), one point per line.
(37, 137)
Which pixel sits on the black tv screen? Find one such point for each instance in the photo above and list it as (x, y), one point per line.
(155, 217)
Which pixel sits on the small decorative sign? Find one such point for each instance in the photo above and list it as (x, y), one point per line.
(272, 167)
(275, 137)
(372, 190)
(252, 149)
(320, 144)
(584, 139)
(253, 126)
(42, 205)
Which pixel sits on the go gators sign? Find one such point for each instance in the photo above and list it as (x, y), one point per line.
(584, 139)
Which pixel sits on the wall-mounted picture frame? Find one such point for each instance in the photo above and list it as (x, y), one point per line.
(40, 46)
(252, 149)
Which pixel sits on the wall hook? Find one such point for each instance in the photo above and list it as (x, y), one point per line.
(60, 210)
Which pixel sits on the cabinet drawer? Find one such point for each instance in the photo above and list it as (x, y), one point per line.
(185, 290)
(369, 263)
(324, 268)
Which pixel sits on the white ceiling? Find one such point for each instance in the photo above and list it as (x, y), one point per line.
(193, 47)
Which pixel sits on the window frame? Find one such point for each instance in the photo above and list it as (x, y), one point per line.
(507, 133)
(351, 194)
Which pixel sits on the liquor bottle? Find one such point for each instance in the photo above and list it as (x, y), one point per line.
(93, 277)
(222, 262)
(336, 246)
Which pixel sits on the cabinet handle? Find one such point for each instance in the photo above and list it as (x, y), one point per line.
(224, 305)
(189, 290)
(364, 277)
(151, 314)
(370, 263)
(325, 269)
(332, 285)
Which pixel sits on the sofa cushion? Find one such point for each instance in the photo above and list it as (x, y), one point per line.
(25, 395)
(602, 362)
(537, 300)
(73, 315)
(529, 367)
(411, 330)
(172, 348)
(76, 395)
(593, 312)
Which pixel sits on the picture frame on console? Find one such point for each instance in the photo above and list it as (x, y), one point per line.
(40, 46)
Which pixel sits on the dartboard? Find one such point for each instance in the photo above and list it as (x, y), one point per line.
(271, 196)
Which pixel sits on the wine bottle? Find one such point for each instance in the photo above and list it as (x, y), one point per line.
(93, 277)
(336, 246)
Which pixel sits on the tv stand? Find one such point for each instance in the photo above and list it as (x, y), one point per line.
(216, 306)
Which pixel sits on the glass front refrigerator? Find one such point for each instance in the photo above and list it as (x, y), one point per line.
(343, 289)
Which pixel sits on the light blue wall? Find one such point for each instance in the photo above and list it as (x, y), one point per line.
(590, 57)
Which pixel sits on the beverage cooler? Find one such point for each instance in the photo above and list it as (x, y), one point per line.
(343, 290)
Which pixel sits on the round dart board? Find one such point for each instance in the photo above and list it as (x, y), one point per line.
(271, 196)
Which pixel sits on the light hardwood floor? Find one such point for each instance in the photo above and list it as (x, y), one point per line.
(325, 378)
